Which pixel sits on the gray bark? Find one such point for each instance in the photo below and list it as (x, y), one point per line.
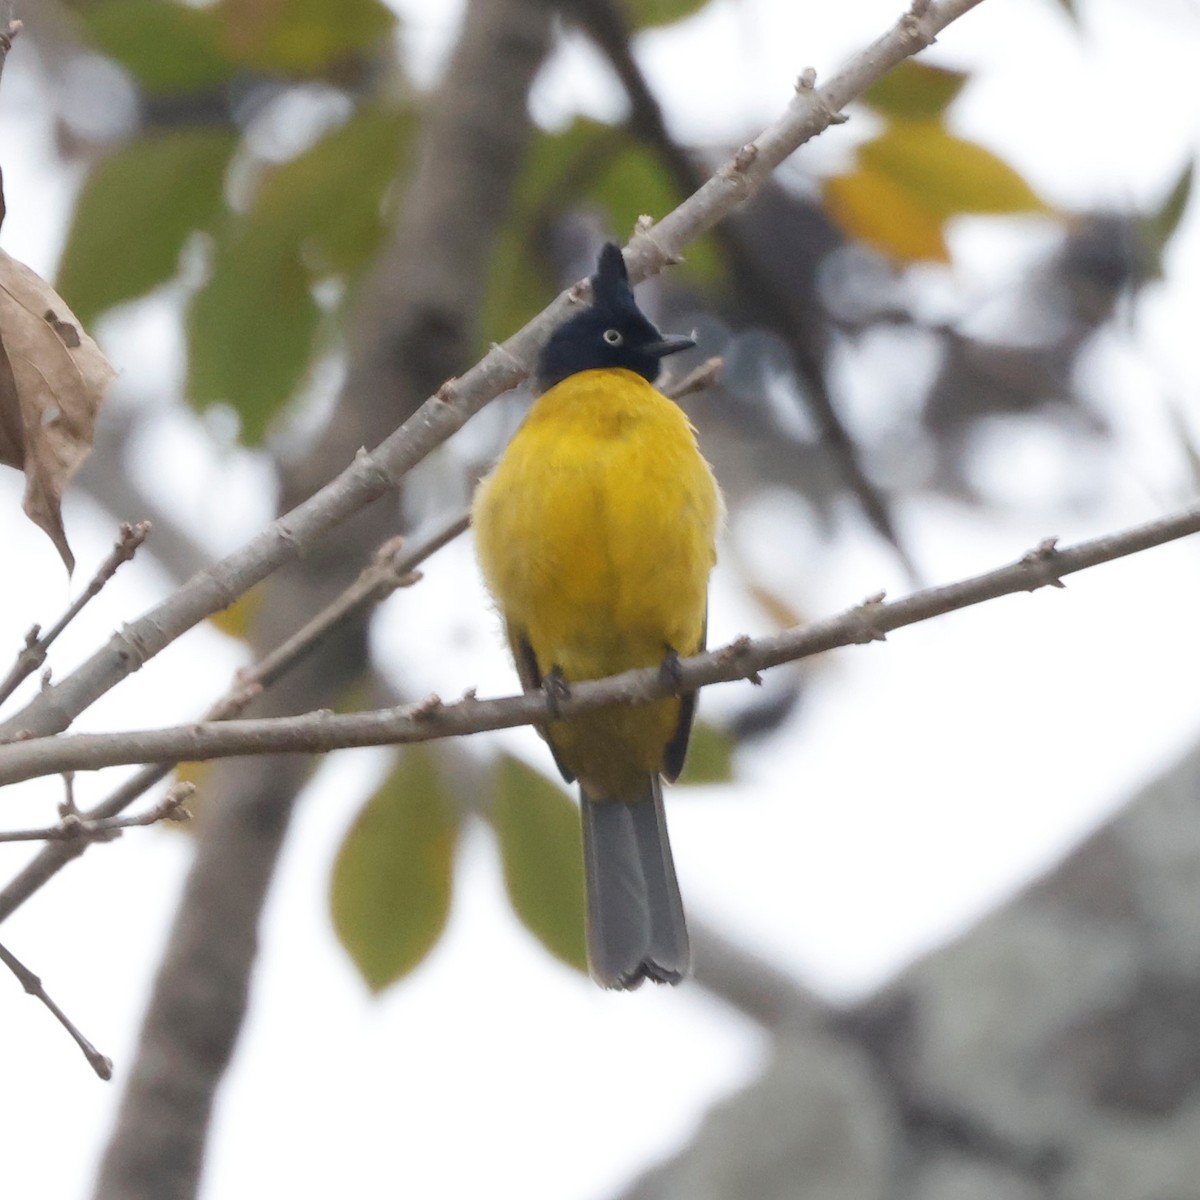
(414, 328)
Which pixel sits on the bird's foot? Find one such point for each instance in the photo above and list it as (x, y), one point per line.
(556, 689)
(670, 671)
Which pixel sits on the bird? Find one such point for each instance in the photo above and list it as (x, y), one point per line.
(596, 534)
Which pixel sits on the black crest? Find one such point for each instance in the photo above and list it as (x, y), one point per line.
(613, 332)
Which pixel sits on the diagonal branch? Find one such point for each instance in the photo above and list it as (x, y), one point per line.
(100, 1063)
(7, 34)
(389, 569)
(321, 732)
(373, 474)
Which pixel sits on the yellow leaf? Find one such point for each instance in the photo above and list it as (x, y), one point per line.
(945, 175)
(873, 208)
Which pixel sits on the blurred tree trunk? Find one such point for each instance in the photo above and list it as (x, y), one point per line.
(415, 327)
(1052, 1053)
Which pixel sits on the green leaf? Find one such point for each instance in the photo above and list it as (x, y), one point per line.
(327, 204)
(540, 845)
(252, 327)
(646, 14)
(710, 756)
(302, 38)
(391, 885)
(915, 91)
(135, 212)
(251, 330)
(945, 175)
(1157, 229)
(165, 46)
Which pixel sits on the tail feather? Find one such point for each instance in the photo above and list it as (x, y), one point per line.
(635, 923)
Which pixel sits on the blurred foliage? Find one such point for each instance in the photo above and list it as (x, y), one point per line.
(915, 91)
(588, 164)
(302, 38)
(1160, 226)
(251, 330)
(390, 890)
(875, 209)
(168, 46)
(646, 14)
(253, 323)
(709, 758)
(538, 830)
(915, 175)
(252, 326)
(136, 211)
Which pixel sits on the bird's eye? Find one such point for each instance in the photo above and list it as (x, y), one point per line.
(613, 337)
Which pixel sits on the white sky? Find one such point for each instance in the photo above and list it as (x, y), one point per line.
(928, 778)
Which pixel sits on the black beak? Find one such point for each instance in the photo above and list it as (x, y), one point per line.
(669, 344)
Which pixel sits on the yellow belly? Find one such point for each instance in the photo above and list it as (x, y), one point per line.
(596, 536)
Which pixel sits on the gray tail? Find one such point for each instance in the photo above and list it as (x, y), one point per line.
(635, 924)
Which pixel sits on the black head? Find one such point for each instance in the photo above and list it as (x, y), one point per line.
(614, 332)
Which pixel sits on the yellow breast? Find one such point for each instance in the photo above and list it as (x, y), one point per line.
(596, 535)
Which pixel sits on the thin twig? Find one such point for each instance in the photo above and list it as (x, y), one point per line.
(33, 654)
(810, 111)
(7, 35)
(320, 732)
(390, 568)
(77, 828)
(696, 380)
(101, 1063)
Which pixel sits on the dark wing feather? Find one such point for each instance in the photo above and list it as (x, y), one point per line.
(532, 679)
(676, 751)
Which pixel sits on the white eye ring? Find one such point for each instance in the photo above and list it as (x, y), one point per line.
(613, 337)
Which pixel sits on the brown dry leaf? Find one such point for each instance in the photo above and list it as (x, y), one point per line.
(52, 382)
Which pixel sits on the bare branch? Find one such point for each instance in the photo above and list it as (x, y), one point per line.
(7, 34)
(33, 654)
(101, 1064)
(751, 985)
(389, 569)
(76, 828)
(373, 474)
(320, 732)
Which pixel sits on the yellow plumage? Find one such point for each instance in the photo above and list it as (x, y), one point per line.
(596, 536)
